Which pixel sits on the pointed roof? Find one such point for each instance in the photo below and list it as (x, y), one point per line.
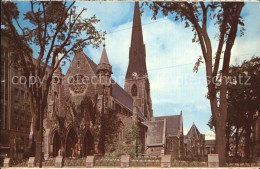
(104, 62)
(194, 132)
(137, 34)
(156, 132)
(173, 124)
(137, 54)
(104, 58)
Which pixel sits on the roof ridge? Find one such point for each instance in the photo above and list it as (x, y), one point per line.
(121, 88)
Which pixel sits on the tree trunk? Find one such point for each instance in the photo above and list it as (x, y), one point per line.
(228, 130)
(237, 142)
(227, 147)
(248, 133)
(36, 135)
(247, 141)
(220, 143)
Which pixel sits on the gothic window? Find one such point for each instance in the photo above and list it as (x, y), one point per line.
(134, 90)
(77, 84)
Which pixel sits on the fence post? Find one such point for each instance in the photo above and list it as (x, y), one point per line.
(7, 162)
(59, 162)
(125, 161)
(31, 162)
(166, 161)
(213, 160)
(90, 160)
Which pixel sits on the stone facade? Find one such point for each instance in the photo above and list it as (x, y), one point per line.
(194, 142)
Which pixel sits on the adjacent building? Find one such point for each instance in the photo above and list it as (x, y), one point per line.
(194, 142)
(15, 115)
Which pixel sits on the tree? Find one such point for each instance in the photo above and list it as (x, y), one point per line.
(243, 102)
(56, 29)
(244, 97)
(133, 137)
(198, 15)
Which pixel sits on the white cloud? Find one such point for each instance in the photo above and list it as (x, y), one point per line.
(170, 57)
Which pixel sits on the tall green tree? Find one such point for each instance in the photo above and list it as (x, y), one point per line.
(133, 136)
(244, 98)
(198, 15)
(54, 28)
(243, 103)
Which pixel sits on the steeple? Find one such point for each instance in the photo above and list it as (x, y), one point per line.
(104, 62)
(137, 54)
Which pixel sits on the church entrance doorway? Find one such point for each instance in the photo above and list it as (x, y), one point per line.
(72, 144)
(88, 144)
(56, 144)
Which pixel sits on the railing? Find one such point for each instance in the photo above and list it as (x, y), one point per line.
(243, 162)
(137, 162)
(145, 162)
(108, 161)
(74, 161)
(19, 162)
(49, 162)
(188, 164)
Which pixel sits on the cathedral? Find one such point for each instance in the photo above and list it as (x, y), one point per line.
(132, 104)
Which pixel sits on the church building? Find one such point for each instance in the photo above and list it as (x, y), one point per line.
(67, 128)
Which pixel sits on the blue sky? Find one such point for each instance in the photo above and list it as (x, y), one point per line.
(170, 56)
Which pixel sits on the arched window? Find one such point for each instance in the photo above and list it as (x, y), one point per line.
(134, 90)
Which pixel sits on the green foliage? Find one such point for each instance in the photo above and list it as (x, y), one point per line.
(243, 92)
(197, 64)
(243, 98)
(132, 145)
(106, 128)
(116, 149)
(133, 137)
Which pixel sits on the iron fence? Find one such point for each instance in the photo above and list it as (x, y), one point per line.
(107, 161)
(18, 162)
(243, 162)
(137, 162)
(48, 163)
(176, 163)
(74, 162)
(145, 162)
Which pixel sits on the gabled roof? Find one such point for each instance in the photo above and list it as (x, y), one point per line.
(155, 132)
(173, 124)
(122, 96)
(117, 91)
(193, 132)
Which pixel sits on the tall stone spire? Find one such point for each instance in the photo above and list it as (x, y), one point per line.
(137, 54)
